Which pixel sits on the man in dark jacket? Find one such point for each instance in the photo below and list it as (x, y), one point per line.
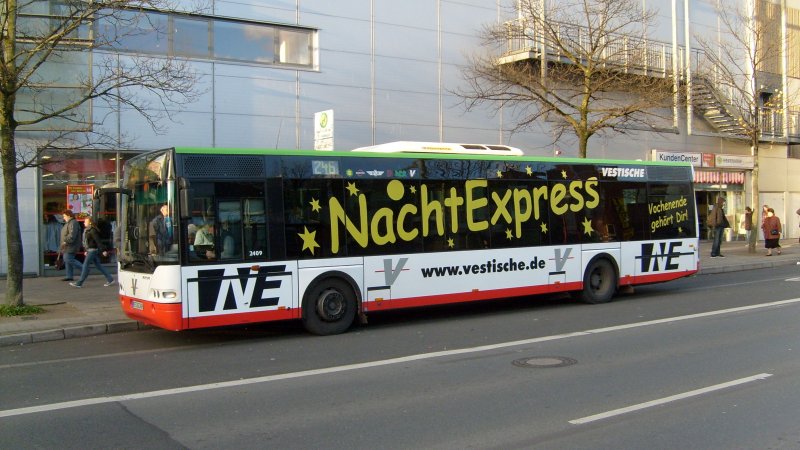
(70, 243)
(717, 222)
(160, 232)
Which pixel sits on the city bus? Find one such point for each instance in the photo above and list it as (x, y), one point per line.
(220, 236)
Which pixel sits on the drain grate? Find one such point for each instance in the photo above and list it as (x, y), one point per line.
(544, 362)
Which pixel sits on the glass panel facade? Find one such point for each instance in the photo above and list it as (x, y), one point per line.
(190, 37)
(67, 182)
(208, 37)
(244, 42)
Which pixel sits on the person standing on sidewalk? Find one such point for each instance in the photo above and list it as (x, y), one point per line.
(91, 241)
(747, 224)
(772, 232)
(70, 243)
(718, 222)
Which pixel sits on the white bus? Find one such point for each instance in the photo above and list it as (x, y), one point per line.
(325, 237)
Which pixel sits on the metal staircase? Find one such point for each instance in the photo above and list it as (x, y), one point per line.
(708, 102)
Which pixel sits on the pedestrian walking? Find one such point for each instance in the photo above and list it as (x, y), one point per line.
(93, 245)
(764, 217)
(747, 224)
(772, 232)
(70, 243)
(718, 222)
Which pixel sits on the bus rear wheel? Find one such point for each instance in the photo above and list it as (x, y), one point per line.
(599, 282)
(329, 307)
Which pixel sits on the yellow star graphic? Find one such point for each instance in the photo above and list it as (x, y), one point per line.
(351, 187)
(564, 174)
(508, 234)
(587, 226)
(315, 205)
(528, 170)
(544, 227)
(309, 239)
(450, 243)
(680, 229)
(499, 174)
(413, 189)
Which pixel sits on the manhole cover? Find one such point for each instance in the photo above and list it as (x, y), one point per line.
(543, 362)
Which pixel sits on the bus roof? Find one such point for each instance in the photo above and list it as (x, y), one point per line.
(428, 155)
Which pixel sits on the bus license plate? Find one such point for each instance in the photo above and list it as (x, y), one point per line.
(137, 305)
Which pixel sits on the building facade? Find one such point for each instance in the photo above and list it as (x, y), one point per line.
(389, 71)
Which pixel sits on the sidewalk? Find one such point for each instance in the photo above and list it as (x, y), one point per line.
(94, 309)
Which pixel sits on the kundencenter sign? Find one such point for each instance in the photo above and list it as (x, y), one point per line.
(705, 159)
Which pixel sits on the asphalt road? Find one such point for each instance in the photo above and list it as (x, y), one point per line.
(707, 362)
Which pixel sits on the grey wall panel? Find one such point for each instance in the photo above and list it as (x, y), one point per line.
(186, 128)
(348, 103)
(467, 19)
(390, 132)
(249, 131)
(406, 108)
(404, 42)
(457, 47)
(348, 135)
(282, 11)
(419, 14)
(406, 75)
(353, 9)
(344, 34)
(341, 69)
(256, 96)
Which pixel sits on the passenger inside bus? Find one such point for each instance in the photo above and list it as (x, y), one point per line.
(204, 241)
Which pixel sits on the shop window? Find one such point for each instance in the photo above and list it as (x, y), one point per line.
(68, 180)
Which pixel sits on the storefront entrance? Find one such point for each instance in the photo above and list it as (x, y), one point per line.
(734, 211)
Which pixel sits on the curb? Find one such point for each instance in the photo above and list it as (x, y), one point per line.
(749, 266)
(71, 332)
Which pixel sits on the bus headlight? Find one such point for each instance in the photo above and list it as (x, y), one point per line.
(165, 295)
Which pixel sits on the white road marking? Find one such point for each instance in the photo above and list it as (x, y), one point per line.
(379, 363)
(669, 399)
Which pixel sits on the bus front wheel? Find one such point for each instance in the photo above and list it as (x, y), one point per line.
(599, 282)
(329, 307)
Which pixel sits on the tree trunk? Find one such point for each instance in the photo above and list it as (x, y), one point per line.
(14, 253)
(583, 143)
(751, 246)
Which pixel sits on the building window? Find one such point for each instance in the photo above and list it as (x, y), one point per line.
(207, 37)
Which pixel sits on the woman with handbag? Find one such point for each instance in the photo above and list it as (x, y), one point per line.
(772, 232)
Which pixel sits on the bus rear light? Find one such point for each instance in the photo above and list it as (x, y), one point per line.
(475, 290)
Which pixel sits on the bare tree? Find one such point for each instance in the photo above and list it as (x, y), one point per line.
(43, 43)
(743, 63)
(587, 69)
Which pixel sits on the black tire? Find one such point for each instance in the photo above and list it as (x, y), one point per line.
(599, 282)
(329, 307)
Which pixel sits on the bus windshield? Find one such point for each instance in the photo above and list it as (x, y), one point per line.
(147, 230)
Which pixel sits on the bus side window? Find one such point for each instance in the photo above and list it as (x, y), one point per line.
(254, 228)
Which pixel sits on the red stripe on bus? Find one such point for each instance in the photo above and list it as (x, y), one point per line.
(162, 315)
(661, 277)
(242, 318)
(461, 297)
